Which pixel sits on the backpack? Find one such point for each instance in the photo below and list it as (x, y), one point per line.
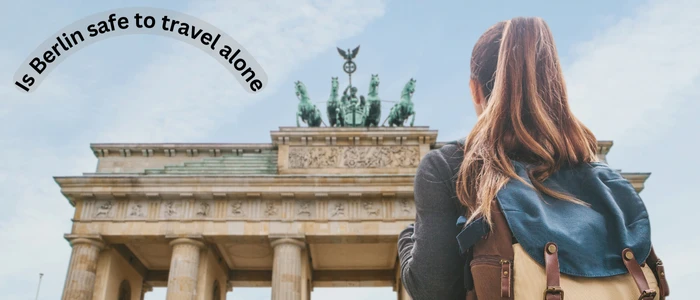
(543, 248)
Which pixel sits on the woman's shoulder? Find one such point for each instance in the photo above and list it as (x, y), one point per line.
(443, 162)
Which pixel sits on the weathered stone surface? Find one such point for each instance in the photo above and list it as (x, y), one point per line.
(341, 194)
(80, 280)
(354, 157)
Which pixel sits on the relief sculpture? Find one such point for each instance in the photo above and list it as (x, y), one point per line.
(237, 208)
(317, 157)
(369, 208)
(405, 206)
(270, 209)
(136, 210)
(338, 210)
(204, 209)
(104, 209)
(170, 209)
(304, 208)
(354, 157)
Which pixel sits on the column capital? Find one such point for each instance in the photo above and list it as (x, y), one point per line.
(146, 288)
(94, 240)
(180, 241)
(287, 240)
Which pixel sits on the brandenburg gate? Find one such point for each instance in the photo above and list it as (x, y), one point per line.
(318, 206)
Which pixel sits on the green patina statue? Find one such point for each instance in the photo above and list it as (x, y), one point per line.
(352, 110)
(335, 114)
(404, 109)
(307, 111)
(374, 107)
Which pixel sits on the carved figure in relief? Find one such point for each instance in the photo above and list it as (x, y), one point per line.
(368, 205)
(104, 209)
(353, 157)
(270, 209)
(170, 209)
(405, 208)
(304, 207)
(203, 209)
(136, 210)
(338, 210)
(237, 208)
(316, 157)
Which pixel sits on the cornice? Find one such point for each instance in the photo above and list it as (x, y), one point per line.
(637, 179)
(172, 149)
(354, 135)
(279, 186)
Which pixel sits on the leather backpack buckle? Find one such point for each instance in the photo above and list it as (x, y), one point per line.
(554, 290)
(649, 294)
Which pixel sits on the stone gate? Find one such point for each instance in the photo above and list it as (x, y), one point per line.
(316, 207)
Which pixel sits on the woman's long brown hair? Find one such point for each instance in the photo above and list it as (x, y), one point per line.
(526, 117)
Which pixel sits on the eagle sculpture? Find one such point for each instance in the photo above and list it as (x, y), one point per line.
(349, 55)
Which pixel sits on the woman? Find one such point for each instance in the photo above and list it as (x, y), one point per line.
(526, 149)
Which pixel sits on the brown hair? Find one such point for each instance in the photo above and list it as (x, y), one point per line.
(526, 116)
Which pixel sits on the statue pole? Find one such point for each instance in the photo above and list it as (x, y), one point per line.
(349, 66)
(39, 286)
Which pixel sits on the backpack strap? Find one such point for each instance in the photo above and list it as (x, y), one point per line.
(636, 271)
(551, 261)
(493, 241)
(658, 268)
(502, 240)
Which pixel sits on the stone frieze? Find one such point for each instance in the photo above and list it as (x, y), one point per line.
(354, 157)
(253, 210)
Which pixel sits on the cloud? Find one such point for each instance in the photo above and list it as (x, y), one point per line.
(638, 83)
(170, 92)
(631, 80)
(181, 94)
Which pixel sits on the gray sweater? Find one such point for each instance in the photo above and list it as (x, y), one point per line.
(431, 265)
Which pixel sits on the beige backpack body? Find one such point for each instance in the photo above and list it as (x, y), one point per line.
(543, 248)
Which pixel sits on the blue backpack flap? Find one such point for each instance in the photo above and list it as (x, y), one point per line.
(466, 239)
(590, 239)
(472, 233)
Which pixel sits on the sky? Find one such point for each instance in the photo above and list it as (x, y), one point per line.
(631, 68)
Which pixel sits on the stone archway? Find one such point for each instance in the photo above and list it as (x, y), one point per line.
(124, 291)
(316, 208)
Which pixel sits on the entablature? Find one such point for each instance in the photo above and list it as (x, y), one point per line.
(353, 136)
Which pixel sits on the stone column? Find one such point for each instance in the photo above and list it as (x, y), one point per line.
(403, 294)
(145, 288)
(286, 269)
(80, 280)
(184, 266)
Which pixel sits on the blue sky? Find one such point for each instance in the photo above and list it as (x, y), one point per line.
(631, 67)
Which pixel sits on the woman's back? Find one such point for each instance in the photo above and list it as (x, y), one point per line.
(525, 180)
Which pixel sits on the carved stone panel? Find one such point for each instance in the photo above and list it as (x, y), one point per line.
(371, 209)
(137, 209)
(203, 209)
(171, 209)
(271, 209)
(338, 209)
(305, 209)
(237, 209)
(105, 209)
(354, 157)
(404, 208)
